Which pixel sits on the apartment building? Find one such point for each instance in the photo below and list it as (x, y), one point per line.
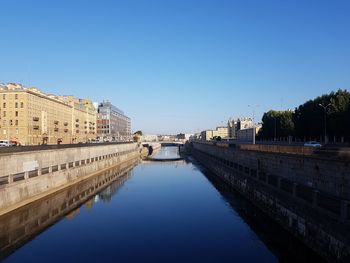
(29, 116)
(112, 123)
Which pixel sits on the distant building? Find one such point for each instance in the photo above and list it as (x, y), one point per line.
(221, 131)
(112, 123)
(246, 135)
(245, 123)
(196, 136)
(207, 135)
(167, 137)
(149, 138)
(232, 126)
(210, 134)
(184, 136)
(235, 125)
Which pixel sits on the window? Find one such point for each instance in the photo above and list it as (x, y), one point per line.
(4, 105)
(16, 113)
(4, 96)
(4, 114)
(16, 105)
(16, 96)
(16, 122)
(21, 104)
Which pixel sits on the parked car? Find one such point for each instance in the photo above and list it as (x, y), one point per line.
(312, 144)
(5, 143)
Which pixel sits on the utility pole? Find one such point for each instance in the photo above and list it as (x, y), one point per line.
(253, 106)
(325, 109)
(275, 118)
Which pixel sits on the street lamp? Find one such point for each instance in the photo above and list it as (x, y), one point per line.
(325, 108)
(253, 106)
(275, 130)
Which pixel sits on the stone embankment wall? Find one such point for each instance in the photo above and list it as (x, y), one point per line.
(306, 193)
(28, 176)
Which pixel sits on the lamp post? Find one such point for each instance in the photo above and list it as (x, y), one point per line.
(253, 106)
(325, 108)
(275, 130)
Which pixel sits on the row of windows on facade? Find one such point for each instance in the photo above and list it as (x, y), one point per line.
(5, 132)
(36, 127)
(16, 105)
(55, 122)
(4, 113)
(10, 122)
(22, 106)
(4, 96)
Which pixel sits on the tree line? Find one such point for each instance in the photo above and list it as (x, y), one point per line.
(327, 114)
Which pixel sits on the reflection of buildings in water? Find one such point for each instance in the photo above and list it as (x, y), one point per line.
(106, 194)
(177, 162)
(89, 203)
(73, 213)
(167, 152)
(23, 224)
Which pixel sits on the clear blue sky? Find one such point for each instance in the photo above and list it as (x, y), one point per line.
(179, 65)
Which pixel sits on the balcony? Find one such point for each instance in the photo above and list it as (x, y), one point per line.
(35, 127)
(55, 122)
(35, 118)
(65, 124)
(56, 129)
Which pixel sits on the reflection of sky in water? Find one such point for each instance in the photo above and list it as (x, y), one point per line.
(167, 153)
(164, 212)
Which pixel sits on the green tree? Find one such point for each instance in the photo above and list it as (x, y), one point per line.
(309, 118)
(277, 124)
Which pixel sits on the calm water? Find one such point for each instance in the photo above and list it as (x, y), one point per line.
(163, 212)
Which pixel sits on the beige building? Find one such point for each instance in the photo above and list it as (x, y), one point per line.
(234, 125)
(29, 117)
(207, 135)
(210, 134)
(83, 119)
(245, 123)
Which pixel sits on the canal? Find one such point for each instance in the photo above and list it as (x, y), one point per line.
(151, 212)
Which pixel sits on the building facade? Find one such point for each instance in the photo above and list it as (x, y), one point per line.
(83, 119)
(247, 135)
(112, 123)
(234, 125)
(218, 132)
(30, 117)
(245, 123)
